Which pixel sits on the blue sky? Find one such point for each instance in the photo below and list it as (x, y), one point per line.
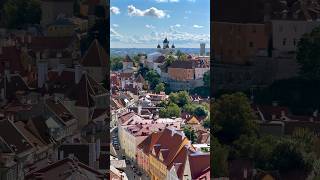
(145, 23)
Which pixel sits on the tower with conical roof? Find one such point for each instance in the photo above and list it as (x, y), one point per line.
(165, 43)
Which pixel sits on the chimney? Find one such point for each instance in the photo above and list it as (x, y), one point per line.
(61, 155)
(60, 68)
(42, 73)
(77, 73)
(97, 148)
(38, 55)
(29, 39)
(315, 113)
(139, 109)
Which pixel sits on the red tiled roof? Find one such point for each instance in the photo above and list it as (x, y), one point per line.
(12, 56)
(41, 43)
(95, 56)
(13, 137)
(199, 164)
(147, 144)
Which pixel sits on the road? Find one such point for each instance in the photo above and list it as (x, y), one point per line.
(129, 170)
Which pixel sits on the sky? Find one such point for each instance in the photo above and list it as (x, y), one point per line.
(145, 23)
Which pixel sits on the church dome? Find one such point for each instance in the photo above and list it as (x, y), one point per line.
(173, 46)
(158, 46)
(165, 40)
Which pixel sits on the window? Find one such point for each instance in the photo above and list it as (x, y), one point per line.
(280, 28)
(254, 29)
(250, 44)
(294, 42)
(284, 41)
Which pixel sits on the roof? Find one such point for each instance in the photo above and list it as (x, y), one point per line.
(199, 164)
(140, 79)
(82, 92)
(81, 151)
(62, 170)
(13, 137)
(172, 141)
(12, 56)
(160, 59)
(59, 110)
(95, 56)
(127, 59)
(147, 144)
(182, 64)
(40, 43)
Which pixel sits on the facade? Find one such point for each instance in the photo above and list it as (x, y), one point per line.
(235, 43)
(181, 71)
(287, 33)
(52, 9)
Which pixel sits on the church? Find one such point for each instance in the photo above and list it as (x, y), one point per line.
(166, 47)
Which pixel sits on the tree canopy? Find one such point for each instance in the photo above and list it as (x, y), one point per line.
(159, 88)
(18, 13)
(232, 116)
(153, 78)
(308, 55)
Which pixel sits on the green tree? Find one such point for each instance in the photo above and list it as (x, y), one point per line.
(172, 110)
(180, 98)
(189, 108)
(308, 55)
(206, 123)
(153, 78)
(169, 59)
(200, 111)
(219, 159)
(159, 88)
(232, 116)
(116, 63)
(206, 79)
(136, 59)
(190, 134)
(18, 13)
(286, 157)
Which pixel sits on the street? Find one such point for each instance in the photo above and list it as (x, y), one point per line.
(132, 170)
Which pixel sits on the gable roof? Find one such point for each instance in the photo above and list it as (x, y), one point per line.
(13, 137)
(171, 140)
(95, 56)
(147, 144)
(59, 169)
(199, 164)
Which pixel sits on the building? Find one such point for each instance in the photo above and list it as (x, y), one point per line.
(62, 27)
(202, 49)
(236, 43)
(166, 49)
(181, 70)
(164, 152)
(287, 33)
(144, 149)
(95, 61)
(52, 9)
(67, 168)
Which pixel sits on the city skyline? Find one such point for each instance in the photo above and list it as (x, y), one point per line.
(145, 23)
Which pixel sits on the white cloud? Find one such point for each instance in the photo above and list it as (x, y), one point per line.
(192, 0)
(114, 10)
(149, 26)
(197, 26)
(185, 17)
(152, 12)
(168, 16)
(188, 12)
(165, 1)
(115, 25)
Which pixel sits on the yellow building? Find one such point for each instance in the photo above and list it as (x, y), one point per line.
(61, 28)
(164, 153)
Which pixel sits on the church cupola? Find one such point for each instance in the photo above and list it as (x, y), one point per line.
(173, 46)
(158, 46)
(165, 43)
